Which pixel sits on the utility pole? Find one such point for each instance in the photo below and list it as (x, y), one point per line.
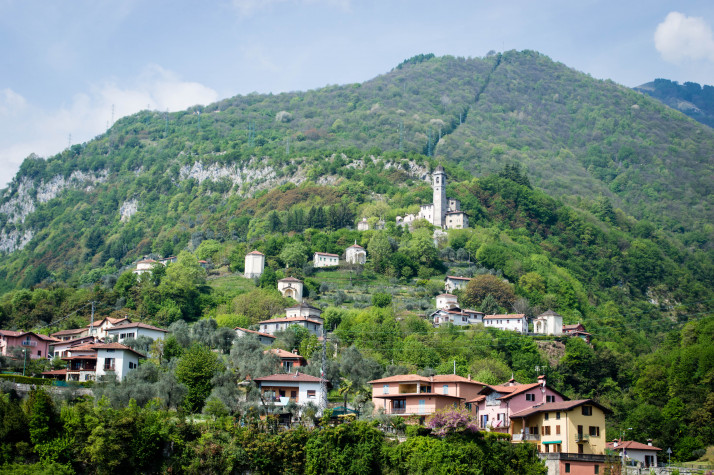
(24, 362)
(91, 324)
(322, 404)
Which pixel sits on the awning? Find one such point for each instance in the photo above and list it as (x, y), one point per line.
(552, 442)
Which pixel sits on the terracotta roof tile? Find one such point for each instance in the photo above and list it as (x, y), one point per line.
(290, 377)
(632, 445)
(255, 332)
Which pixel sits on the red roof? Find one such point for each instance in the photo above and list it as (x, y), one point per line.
(253, 331)
(456, 277)
(17, 334)
(290, 377)
(630, 445)
(437, 378)
(136, 325)
(55, 372)
(255, 253)
(558, 406)
(69, 332)
(280, 353)
(290, 279)
(446, 295)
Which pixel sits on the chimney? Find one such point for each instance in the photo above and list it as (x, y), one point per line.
(541, 380)
(469, 376)
(295, 351)
(649, 442)
(615, 443)
(431, 378)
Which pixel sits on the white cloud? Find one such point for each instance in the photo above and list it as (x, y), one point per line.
(31, 129)
(246, 8)
(680, 37)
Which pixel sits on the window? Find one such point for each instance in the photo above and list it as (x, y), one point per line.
(530, 397)
(446, 389)
(533, 430)
(567, 467)
(580, 448)
(132, 365)
(597, 469)
(311, 394)
(546, 430)
(39, 352)
(557, 416)
(550, 399)
(587, 410)
(557, 430)
(594, 431)
(385, 389)
(108, 364)
(545, 416)
(545, 448)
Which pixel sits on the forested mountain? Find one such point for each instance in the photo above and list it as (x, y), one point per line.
(690, 98)
(583, 196)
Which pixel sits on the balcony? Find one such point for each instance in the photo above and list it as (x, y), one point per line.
(108, 367)
(29, 343)
(582, 438)
(525, 437)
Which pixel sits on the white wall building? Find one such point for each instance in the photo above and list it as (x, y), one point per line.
(254, 264)
(453, 282)
(643, 454)
(441, 212)
(363, 225)
(446, 301)
(280, 389)
(516, 322)
(272, 326)
(291, 287)
(263, 338)
(135, 330)
(548, 323)
(117, 358)
(144, 266)
(355, 254)
(457, 316)
(325, 259)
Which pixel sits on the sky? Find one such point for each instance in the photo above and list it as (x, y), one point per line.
(69, 68)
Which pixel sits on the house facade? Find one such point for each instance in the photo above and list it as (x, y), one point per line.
(516, 322)
(355, 254)
(446, 301)
(254, 264)
(33, 345)
(304, 310)
(453, 282)
(412, 394)
(497, 403)
(643, 455)
(299, 388)
(264, 338)
(271, 327)
(144, 266)
(135, 330)
(578, 331)
(289, 361)
(325, 259)
(99, 328)
(457, 316)
(90, 361)
(60, 349)
(291, 287)
(548, 323)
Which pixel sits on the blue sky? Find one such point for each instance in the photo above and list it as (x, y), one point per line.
(64, 63)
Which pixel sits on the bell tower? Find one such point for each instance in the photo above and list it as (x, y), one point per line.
(440, 204)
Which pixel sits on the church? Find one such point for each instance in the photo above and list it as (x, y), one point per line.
(442, 212)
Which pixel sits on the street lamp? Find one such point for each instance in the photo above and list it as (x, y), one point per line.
(24, 362)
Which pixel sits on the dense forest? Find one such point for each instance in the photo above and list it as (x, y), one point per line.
(583, 197)
(692, 99)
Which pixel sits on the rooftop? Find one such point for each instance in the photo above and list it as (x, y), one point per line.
(290, 377)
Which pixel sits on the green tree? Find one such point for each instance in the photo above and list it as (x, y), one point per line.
(294, 254)
(195, 369)
(482, 285)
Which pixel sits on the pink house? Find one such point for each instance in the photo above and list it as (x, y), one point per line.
(496, 404)
(33, 344)
(411, 394)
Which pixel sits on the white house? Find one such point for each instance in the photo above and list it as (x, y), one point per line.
(304, 310)
(363, 225)
(516, 322)
(263, 338)
(548, 323)
(99, 328)
(117, 358)
(457, 316)
(644, 454)
(325, 259)
(254, 264)
(355, 254)
(134, 330)
(446, 301)
(280, 389)
(275, 325)
(291, 287)
(144, 266)
(454, 282)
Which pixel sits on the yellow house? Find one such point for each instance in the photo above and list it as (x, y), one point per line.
(570, 435)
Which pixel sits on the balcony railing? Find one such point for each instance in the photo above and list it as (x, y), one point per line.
(398, 410)
(108, 367)
(522, 437)
(29, 343)
(582, 438)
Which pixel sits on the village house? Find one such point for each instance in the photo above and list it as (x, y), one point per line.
(126, 330)
(577, 330)
(446, 301)
(62, 348)
(304, 310)
(144, 266)
(263, 338)
(516, 322)
(355, 254)
(291, 287)
(271, 327)
(363, 225)
(412, 394)
(453, 282)
(91, 361)
(288, 360)
(570, 435)
(497, 403)
(642, 455)
(325, 259)
(73, 334)
(165, 261)
(33, 345)
(457, 316)
(254, 264)
(100, 327)
(548, 323)
(299, 388)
